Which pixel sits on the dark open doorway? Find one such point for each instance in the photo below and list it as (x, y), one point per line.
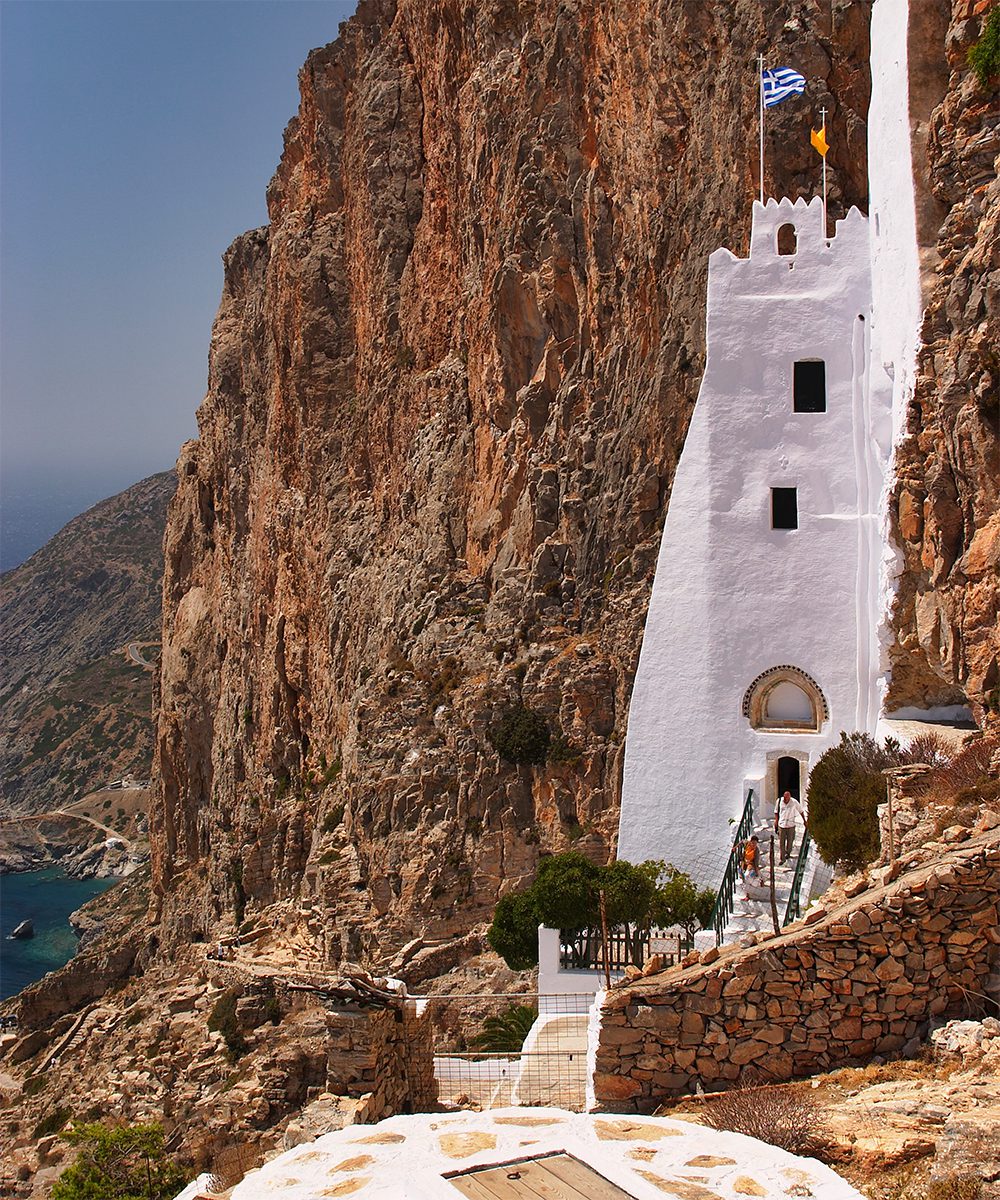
(789, 779)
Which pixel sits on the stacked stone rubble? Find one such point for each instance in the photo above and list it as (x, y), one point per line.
(386, 1054)
(841, 986)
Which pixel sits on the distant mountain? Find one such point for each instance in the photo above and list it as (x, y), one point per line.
(75, 712)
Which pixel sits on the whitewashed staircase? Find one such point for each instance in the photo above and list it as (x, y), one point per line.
(739, 912)
(754, 915)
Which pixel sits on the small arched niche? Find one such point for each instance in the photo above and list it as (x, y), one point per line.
(786, 239)
(786, 699)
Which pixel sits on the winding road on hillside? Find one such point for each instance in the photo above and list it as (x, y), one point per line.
(134, 655)
(65, 812)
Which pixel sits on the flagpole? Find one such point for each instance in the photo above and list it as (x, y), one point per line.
(760, 90)
(822, 117)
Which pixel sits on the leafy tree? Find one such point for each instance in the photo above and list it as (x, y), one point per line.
(125, 1162)
(566, 895)
(629, 898)
(566, 891)
(679, 901)
(629, 892)
(845, 789)
(505, 1033)
(514, 931)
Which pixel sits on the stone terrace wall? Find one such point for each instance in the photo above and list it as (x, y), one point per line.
(863, 979)
(383, 1057)
(388, 1053)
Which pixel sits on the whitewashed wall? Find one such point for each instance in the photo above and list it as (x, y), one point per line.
(732, 597)
(895, 274)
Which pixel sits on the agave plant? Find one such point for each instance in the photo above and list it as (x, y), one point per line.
(505, 1034)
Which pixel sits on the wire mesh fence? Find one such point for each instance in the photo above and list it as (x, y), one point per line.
(493, 1050)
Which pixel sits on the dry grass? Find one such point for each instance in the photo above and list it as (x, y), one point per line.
(959, 1186)
(907, 1182)
(927, 1067)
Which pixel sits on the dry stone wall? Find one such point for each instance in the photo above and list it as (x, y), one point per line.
(843, 985)
(386, 1056)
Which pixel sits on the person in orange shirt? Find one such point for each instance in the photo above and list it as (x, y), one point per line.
(750, 866)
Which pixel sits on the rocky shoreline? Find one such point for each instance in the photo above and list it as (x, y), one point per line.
(103, 858)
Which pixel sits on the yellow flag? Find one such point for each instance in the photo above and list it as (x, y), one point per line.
(818, 139)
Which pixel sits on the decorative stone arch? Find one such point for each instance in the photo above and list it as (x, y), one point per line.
(785, 699)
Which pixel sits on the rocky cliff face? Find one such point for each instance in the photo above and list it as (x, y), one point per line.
(948, 489)
(449, 385)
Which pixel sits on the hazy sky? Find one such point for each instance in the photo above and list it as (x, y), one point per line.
(138, 137)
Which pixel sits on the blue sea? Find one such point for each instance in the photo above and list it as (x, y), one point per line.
(47, 897)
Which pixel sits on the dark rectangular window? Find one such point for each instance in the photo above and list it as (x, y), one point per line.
(810, 386)
(784, 508)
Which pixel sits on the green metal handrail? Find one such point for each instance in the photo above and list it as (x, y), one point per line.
(793, 908)
(723, 908)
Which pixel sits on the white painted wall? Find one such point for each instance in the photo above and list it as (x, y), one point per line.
(554, 984)
(732, 597)
(897, 308)
(892, 208)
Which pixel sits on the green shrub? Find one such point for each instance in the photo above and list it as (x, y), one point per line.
(239, 892)
(222, 1019)
(272, 1010)
(331, 821)
(126, 1162)
(845, 789)
(566, 891)
(521, 736)
(561, 750)
(514, 931)
(52, 1122)
(34, 1085)
(505, 1034)
(984, 55)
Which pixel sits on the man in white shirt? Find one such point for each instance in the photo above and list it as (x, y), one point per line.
(787, 812)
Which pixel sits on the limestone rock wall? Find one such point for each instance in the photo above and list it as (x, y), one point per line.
(448, 388)
(947, 494)
(860, 980)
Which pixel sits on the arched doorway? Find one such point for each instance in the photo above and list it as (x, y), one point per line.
(789, 777)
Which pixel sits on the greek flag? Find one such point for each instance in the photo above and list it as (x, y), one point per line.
(781, 83)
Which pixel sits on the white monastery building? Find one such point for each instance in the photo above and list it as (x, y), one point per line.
(762, 640)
